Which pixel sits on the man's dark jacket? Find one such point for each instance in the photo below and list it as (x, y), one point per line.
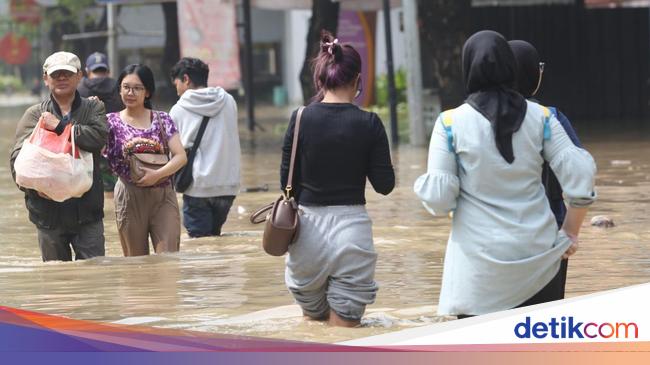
(91, 132)
(103, 88)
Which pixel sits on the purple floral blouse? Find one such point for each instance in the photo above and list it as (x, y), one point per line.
(124, 139)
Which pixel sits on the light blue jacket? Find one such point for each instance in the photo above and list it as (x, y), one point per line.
(504, 244)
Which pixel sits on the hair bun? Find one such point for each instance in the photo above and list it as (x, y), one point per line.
(330, 45)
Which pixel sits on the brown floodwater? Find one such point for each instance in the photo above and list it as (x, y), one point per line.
(228, 285)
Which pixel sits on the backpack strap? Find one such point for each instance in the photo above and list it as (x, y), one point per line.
(547, 121)
(447, 120)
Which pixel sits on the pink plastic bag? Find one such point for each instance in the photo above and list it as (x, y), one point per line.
(51, 141)
(45, 164)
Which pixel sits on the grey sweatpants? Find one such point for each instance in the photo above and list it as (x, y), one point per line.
(332, 263)
(144, 212)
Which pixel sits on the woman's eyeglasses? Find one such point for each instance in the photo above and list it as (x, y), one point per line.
(136, 90)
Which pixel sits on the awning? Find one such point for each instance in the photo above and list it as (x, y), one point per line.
(617, 3)
(50, 3)
(359, 5)
(588, 3)
(479, 3)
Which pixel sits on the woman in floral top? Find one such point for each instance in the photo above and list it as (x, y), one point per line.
(144, 207)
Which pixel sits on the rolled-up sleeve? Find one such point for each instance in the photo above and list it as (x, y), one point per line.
(574, 167)
(439, 187)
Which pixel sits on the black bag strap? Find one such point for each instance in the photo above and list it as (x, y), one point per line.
(199, 135)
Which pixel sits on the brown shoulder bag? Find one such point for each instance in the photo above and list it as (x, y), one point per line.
(282, 217)
(152, 161)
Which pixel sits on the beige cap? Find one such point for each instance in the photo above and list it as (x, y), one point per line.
(62, 61)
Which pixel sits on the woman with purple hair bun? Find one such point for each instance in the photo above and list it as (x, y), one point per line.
(331, 265)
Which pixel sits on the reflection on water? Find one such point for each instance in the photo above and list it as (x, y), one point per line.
(229, 285)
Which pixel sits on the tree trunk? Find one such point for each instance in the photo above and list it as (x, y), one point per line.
(325, 15)
(98, 44)
(61, 24)
(64, 21)
(445, 25)
(171, 53)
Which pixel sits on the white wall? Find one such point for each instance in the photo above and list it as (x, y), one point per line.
(295, 46)
(398, 38)
(267, 25)
(4, 7)
(141, 18)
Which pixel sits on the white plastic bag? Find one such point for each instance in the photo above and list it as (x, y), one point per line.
(60, 176)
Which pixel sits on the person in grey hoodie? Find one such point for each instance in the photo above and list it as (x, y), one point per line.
(216, 167)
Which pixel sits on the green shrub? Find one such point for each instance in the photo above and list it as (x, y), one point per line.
(381, 88)
(402, 120)
(10, 83)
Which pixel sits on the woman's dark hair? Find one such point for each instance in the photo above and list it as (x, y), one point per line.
(337, 65)
(527, 67)
(146, 76)
(194, 68)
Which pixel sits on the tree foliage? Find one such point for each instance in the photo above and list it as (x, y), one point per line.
(76, 16)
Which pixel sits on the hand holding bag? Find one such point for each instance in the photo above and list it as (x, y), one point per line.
(51, 141)
(153, 161)
(54, 165)
(282, 217)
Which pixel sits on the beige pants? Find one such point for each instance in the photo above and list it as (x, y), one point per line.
(144, 212)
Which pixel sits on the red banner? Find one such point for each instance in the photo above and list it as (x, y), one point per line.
(25, 11)
(208, 31)
(15, 49)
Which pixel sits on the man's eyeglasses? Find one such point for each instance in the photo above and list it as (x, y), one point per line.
(136, 90)
(61, 74)
(541, 66)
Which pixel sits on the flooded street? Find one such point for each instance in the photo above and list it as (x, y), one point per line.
(228, 285)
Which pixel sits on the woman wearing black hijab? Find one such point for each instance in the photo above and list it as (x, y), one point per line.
(485, 162)
(529, 78)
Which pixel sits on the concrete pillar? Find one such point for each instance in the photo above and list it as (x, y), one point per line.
(413, 73)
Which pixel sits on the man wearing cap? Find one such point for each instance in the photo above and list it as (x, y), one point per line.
(76, 222)
(99, 83)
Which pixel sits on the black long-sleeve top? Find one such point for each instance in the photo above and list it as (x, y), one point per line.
(339, 145)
